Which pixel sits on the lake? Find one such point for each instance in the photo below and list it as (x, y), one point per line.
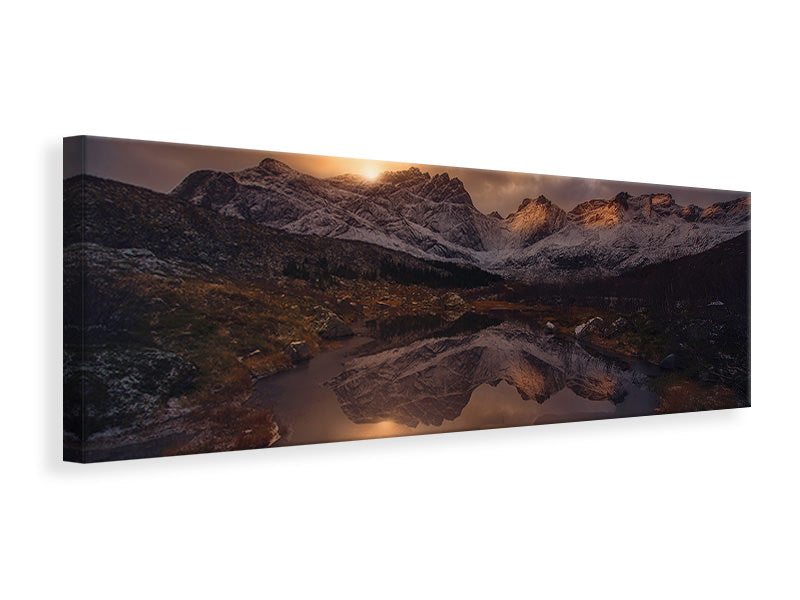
(503, 375)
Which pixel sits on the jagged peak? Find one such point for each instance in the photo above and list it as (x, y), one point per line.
(346, 178)
(622, 198)
(738, 209)
(411, 174)
(444, 180)
(599, 212)
(661, 199)
(657, 205)
(274, 166)
(619, 200)
(495, 214)
(540, 200)
(439, 188)
(742, 201)
(205, 182)
(451, 188)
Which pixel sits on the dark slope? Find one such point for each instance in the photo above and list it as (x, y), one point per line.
(719, 274)
(118, 215)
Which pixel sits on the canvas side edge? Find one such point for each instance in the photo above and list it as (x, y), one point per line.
(74, 409)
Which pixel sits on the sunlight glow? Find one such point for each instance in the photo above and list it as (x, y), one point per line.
(370, 171)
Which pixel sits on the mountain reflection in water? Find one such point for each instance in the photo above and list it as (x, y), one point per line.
(501, 376)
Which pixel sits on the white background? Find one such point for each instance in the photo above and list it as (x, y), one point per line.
(689, 93)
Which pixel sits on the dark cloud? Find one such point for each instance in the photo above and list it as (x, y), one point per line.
(503, 191)
(161, 166)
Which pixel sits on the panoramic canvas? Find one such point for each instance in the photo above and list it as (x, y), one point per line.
(222, 299)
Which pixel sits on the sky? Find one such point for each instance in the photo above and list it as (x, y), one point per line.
(161, 166)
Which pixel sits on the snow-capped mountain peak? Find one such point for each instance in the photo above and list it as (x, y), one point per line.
(536, 219)
(434, 217)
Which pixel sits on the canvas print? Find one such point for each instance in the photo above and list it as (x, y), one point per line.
(222, 299)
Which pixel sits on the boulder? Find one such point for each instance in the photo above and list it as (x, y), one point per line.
(298, 351)
(619, 325)
(452, 299)
(549, 327)
(670, 362)
(332, 327)
(593, 325)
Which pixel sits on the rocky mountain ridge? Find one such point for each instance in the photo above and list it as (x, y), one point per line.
(433, 217)
(150, 227)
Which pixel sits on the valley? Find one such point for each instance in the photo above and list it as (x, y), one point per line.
(182, 311)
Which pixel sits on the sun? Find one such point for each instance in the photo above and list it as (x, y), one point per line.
(370, 171)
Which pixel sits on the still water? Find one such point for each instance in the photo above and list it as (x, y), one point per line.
(501, 376)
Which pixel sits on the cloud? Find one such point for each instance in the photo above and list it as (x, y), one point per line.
(161, 166)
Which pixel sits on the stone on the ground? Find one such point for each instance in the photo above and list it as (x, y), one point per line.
(669, 363)
(591, 326)
(298, 351)
(452, 299)
(619, 325)
(332, 327)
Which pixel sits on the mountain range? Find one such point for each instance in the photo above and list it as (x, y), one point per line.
(434, 218)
